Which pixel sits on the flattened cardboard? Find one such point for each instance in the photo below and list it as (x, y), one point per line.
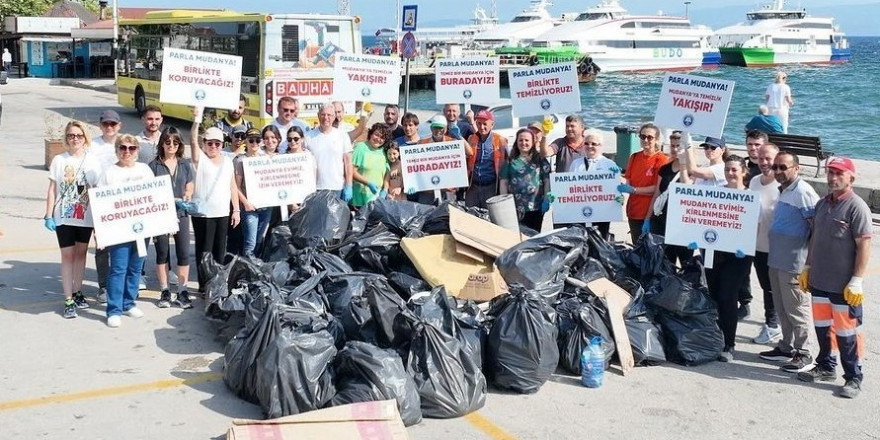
(357, 421)
(617, 300)
(472, 253)
(481, 234)
(438, 262)
(482, 287)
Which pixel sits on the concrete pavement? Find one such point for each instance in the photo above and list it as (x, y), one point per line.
(158, 377)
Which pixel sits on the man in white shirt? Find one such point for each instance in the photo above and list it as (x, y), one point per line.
(353, 132)
(149, 137)
(766, 184)
(104, 146)
(288, 112)
(331, 148)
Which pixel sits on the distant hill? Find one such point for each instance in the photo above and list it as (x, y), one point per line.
(852, 19)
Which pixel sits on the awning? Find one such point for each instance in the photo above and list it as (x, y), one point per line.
(47, 39)
(92, 34)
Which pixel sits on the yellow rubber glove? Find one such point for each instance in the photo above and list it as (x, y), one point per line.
(853, 292)
(804, 279)
(368, 107)
(547, 125)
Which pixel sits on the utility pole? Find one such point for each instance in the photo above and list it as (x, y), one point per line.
(686, 4)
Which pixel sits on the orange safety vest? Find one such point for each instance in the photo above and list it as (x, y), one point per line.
(499, 153)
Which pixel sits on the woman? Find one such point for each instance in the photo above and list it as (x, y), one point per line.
(370, 166)
(594, 162)
(729, 271)
(170, 162)
(778, 99)
(527, 177)
(642, 175)
(215, 190)
(255, 220)
(712, 175)
(125, 263)
(655, 222)
(67, 211)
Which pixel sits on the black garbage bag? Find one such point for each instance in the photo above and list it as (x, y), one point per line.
(580, 320)
(366, 373)
(591, 270)
(277, 271)
(322, 215)
(307, 296)
(276, 246)
(390, 313)
(522, 351)
(407, 285)
(440, 310)
(676, 295)
(308, 261)
(402, 218)
(368, 309)
(649, 258)
(221, 279)
(437, 220)
(605, 252)
(542, 264)
(449, 382)
(691, 339)
(474, 325)
(645, 336)
(228, 294)
(377, 250)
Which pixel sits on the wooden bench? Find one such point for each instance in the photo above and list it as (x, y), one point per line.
(809, 146)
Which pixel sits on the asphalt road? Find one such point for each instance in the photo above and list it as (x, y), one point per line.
(160, 377)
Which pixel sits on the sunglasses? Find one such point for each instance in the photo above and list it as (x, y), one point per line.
(109, 124)
(239, 135)
(214, 144)
(129, 148)
(592, 144)
(71, 136)
(288, 110)
(782, 168)
(170, 143)
(646, 137)
(294, 139)
(253, 140)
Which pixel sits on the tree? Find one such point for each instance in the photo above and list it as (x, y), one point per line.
(24, 8)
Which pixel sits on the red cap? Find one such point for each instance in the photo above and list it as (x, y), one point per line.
(485, 114)
(842, 164)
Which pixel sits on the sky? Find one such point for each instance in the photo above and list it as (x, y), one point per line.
(852, 15)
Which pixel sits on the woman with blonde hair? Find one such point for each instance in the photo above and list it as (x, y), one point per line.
(642, 176)
(778, 98)
(71, 174)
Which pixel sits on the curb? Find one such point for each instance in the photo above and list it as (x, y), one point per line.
(110, 88)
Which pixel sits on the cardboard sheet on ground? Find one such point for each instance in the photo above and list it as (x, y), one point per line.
(439, 263)
(357, 421)
(617, 300)
(480, 234)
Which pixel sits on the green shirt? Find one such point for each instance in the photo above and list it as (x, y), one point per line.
(372, 165)
(525, 181)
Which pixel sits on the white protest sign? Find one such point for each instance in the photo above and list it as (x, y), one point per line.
(467, 80)
(437, 165)
(280, 180)
(548, 88)
(586, 197)
(717, 219)
(201, 79)
(360, 77)
(694, 104)
(133, 211)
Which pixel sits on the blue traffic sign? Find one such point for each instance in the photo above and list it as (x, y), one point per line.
(408, 46)
(409, 18)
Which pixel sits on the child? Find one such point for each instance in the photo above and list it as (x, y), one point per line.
(394, 180)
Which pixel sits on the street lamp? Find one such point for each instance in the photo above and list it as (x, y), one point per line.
(686, 4)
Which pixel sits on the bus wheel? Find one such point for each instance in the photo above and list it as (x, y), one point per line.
(140, 100)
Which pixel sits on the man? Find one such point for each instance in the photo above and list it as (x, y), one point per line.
(754, 140)
(766, 185)
(149, 137)
(438, 134)
(353, 132)
(486, 153)
(236, 143)
(837, 262)
(234, 118)
(765, 122)
(391, 117)
(332, 150)
(456, 128)
(7, 61)
(569, 147)
(789, 234)
(288, 112)
(410, 130)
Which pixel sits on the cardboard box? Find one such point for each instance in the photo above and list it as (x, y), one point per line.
(357, 421)
(483, 286)
(439, 262)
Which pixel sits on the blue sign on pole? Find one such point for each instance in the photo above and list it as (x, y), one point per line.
(408, 46)
(410, 16)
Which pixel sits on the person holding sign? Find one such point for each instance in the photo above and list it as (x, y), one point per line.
(170, 162)
(288, 110)
(655, 222)
(254, 220)
(67, 211)
(567, 148)
(642, 175)
(527, 177)
(486, 153)
(438, 134)
(594, 162)
(370, 166)
(332, 150)
(713, 175)
(457, 128)
(125, 262)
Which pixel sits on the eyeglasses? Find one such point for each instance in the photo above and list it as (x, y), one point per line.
(169, 142)
(253, 140)
(129, 148)
(646, 137)
(239, 135)
(782, 168)
(71, 136)
(213, 144)
(710, 147)
(109, 124)
(294, 139)
(288, 110)
(592, 144)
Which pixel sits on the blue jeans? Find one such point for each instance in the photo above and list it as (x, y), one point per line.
(123, 279)
(254, 225)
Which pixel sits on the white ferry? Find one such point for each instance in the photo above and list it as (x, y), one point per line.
(525, 26)
(775, 35)
(456, 35)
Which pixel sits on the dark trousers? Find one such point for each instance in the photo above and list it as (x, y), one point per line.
(834, 318)
(679, 255)
(210, 234)
(102, 266)
(763, 273)
(477, 195)
(635, 229)
(533, 220)
(724, 280)
(181, 244)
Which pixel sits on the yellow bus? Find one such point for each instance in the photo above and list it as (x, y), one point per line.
(282, 55)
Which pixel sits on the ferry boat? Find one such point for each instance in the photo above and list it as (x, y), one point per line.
(519, 31)
(775, 35)
(429, 37)
(619, 42)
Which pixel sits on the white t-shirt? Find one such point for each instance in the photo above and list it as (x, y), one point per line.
(769, 196)
(329, 149)
(104, 151)
(719, 180)
(776, 94)
(599, 164)
(216, 200)
(73, 176)
(282, 146)
(147, 150)
(117, 174)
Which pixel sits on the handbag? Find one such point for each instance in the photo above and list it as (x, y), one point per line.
(198, 205)
(660, 201)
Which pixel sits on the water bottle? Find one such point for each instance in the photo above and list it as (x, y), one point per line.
(593, 363)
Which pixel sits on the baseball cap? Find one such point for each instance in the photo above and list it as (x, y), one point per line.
(109, 116)
(239, 129)
(438, 121)
(485, 115)
(842, 164)
(535, 126)
(253, 132)
(713, 142)
(214, 134)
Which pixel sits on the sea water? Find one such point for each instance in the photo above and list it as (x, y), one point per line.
(838, 103)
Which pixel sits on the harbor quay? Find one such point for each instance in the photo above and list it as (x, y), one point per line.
(161, 376)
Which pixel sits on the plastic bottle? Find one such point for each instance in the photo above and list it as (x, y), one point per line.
(593, 363)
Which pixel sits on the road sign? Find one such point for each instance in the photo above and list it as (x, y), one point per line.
(410, 16)
(408, 46)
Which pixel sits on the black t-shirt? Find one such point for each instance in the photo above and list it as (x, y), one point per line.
(754, 170)
(667, 174)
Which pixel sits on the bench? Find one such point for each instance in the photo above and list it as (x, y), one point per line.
(809, 146)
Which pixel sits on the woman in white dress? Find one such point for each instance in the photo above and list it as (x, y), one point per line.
(778, 98)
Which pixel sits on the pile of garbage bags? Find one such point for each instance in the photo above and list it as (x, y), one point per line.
(334, 313)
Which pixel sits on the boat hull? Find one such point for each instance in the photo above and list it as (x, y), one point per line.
(760, 56)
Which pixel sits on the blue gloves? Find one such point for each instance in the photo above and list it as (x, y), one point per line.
(646, 226)
(692, 245)
(373, 188)
(383, 194)
(346, 194)
(49, 223)
(740, 253)
(454, 131)
(410, 191)
(625, 188)
(615, 170)
(545, 205)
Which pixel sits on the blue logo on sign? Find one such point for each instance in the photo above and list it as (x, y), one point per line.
(365, 91)
(467, 94)
(282, 194)
(688, 120)
(200, 95)
(587, 212)
(545, 104)
(137, 228)
(435, 180)
(710, 236)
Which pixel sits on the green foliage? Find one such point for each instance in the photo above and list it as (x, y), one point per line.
(25, 8)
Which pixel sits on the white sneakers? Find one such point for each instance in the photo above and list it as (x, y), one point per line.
(114, 321)
(768, 335)
(135, 312)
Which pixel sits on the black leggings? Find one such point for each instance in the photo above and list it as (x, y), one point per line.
(210, 236)
(181, 244)
(724, 281)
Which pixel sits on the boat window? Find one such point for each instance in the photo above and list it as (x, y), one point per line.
(523, 19)
(810, 26)
(629, 25)
(592, 16)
